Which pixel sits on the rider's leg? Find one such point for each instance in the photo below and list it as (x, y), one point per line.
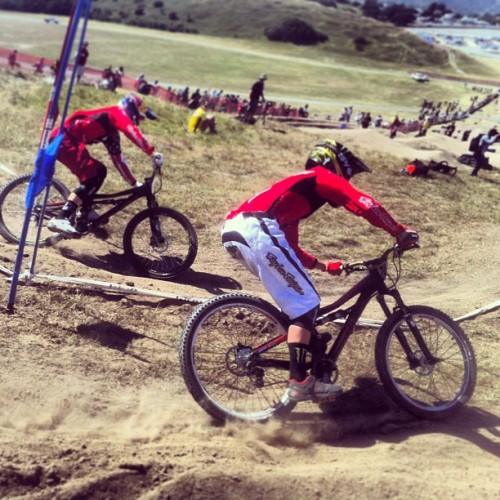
(88, 188)
(83, 194)
(301, 386)
(298, 339)
(91, 173)
(479, 158)
(262, 246)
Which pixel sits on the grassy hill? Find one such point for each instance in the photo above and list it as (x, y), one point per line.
(297, 75)
(242, 19)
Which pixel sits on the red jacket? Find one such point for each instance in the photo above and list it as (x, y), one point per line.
(298, 196)
(103, 125)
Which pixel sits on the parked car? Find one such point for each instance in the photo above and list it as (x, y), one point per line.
(51, 20)
(420, 77)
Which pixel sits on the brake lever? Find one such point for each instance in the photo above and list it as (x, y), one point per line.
(352, 267)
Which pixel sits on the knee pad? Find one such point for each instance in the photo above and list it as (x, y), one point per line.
(87, 189)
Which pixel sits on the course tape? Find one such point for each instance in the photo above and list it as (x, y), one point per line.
(113, 287)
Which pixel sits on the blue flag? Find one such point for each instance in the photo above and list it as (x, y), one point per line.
(44, 170)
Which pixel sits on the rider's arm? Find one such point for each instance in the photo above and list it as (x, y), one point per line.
(340, 192)
(121, 165)
(308, 260)
(112, 144)
(125, 125)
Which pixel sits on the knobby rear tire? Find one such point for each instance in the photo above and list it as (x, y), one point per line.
(428, 390)
(160, 260)
(13, 210)
(213, 348)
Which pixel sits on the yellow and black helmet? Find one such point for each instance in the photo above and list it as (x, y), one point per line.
(335, 157)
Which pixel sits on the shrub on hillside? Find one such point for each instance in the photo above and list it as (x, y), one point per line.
(326, 3)
(295, 31)
(361, 43)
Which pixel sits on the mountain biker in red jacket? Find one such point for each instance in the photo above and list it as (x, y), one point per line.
(102, 125)
(264, 234)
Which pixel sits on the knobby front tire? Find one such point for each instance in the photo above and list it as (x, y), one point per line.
(220, 368)
(160, 243)
(13, 210)
(429, 390)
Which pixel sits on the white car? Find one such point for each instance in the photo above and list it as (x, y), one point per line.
(51, 20)
(420, 77)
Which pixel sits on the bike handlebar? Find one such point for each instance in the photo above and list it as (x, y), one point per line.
(157, 160)
(363, 265)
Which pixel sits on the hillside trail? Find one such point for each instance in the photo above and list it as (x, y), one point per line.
(93, 405)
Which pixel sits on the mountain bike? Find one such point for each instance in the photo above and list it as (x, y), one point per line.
(159, 242)
(235, 361)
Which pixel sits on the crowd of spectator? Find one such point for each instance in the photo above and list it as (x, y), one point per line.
(216, 100)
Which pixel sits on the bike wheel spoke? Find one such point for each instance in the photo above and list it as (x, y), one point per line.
(161, 243)
(228, 378)
(430, 385)
(13, 210)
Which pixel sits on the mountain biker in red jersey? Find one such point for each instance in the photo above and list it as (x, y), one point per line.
(90, 127)
(264, 234)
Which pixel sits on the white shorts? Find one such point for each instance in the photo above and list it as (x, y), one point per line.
(262, 247)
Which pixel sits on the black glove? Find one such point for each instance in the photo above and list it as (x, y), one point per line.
(407, 239)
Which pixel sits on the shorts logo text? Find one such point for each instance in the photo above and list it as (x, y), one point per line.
(289, 278)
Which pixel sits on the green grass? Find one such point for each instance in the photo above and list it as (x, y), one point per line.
(248, 20)
(324, 80)
(205, 176)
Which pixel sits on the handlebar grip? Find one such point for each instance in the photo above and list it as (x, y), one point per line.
(158, 160)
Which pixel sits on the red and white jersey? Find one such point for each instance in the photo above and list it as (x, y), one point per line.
(298, 196)
(104, 125)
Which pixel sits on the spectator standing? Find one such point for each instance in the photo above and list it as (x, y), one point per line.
(450, 129)
(155, 86)
(256, 96)
(13, 59)
(81, 61)
(483, 146)
(366, 120)
(425, 125)
(195, 99)
(39, 66)
(119, 74)
(395, 124)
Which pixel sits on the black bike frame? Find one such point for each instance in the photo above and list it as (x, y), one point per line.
(365, 288)
(122, 199)
(369, 286)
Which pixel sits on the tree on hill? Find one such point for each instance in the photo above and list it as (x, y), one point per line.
(398, 14)
(57, 7)
(436, 11)
(371, 8)
(295, 31)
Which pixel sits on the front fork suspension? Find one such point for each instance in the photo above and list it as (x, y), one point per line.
(411, 355)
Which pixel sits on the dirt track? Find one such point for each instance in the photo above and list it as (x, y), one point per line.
(93, 405)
